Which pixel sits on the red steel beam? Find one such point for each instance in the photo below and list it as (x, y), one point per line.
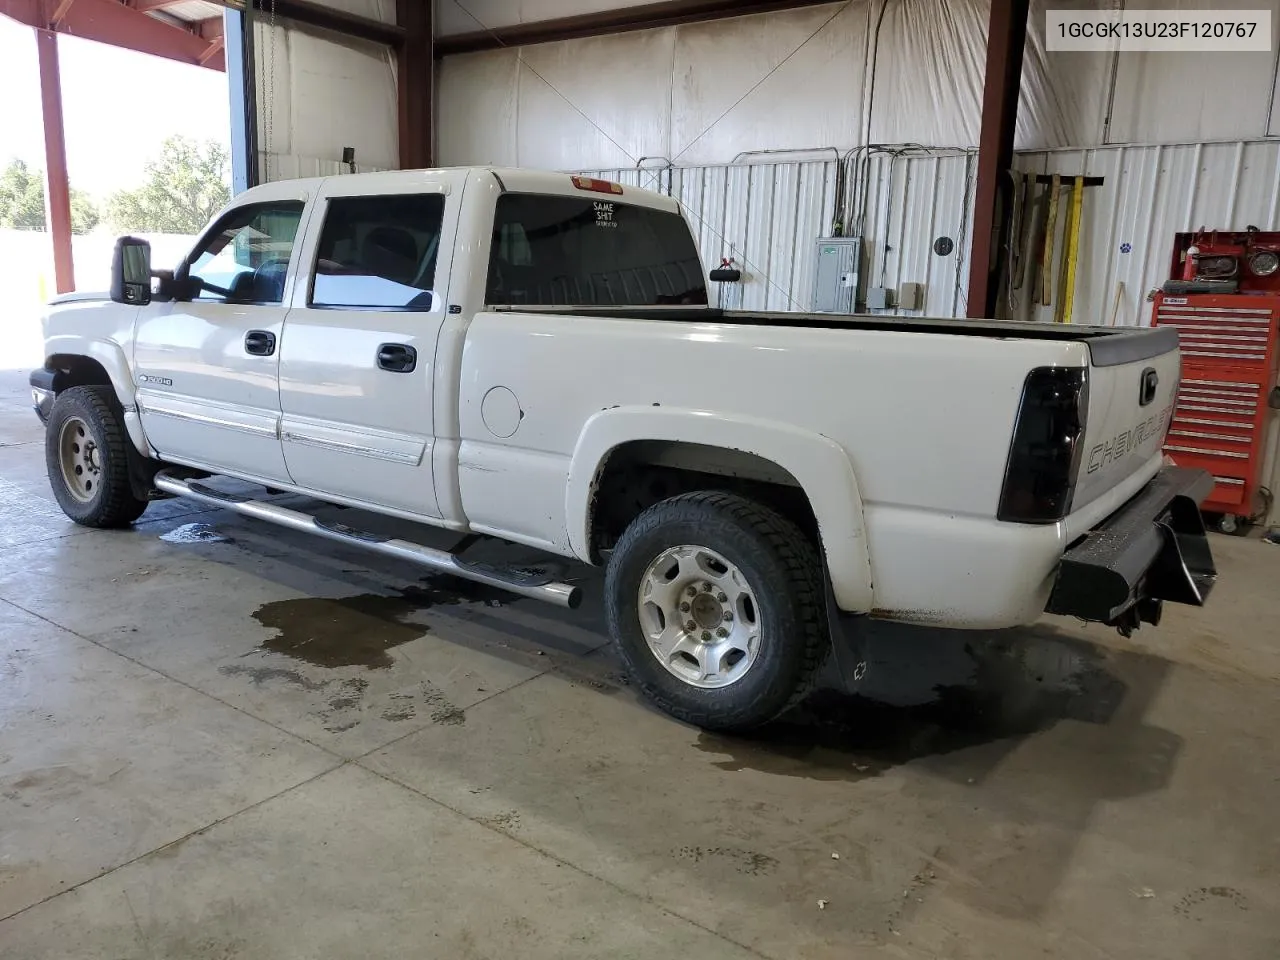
(60, 11)
(57, 188)
(215, 47)
(646, 16)
(415, 82)
(1006, 38)
(142, 6)
(111, 22)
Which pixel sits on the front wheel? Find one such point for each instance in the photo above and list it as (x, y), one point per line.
(87, 461)
(716, 605)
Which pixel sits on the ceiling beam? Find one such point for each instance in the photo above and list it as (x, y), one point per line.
(60, 12)
(328, 18)
(142, 6)
(665, 13)
(215, 47)
(112, 23)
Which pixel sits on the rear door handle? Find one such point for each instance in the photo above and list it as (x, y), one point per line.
(260, 343)
(397, 357)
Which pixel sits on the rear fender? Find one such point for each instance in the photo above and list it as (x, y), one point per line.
(818, 464)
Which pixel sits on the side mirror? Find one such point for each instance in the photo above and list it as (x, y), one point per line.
(131, 272)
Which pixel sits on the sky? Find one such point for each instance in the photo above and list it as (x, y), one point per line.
(110, 134)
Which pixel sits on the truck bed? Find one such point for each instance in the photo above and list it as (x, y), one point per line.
(1108, 346)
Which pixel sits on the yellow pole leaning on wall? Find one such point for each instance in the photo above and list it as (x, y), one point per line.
(1073, 246)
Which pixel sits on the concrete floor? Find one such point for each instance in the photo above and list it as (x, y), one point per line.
(261, 746)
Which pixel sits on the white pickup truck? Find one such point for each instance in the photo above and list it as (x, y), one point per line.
(531, 356)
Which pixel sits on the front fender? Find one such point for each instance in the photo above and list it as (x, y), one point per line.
(819, 465)
(109, 354)
(111, 357)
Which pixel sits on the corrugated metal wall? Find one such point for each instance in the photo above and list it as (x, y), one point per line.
(768, 217)
(1149, 194)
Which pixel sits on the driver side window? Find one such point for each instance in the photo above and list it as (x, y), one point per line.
(245, 257)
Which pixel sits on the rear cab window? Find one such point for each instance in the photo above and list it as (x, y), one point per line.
(379, 253)
(593, 250)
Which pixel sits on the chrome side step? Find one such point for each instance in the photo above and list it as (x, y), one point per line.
(526, 584)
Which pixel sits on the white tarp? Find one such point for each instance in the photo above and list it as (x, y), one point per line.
(799, 79)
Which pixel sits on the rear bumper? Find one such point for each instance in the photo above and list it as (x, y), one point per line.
(42, 393)
(1152, 549)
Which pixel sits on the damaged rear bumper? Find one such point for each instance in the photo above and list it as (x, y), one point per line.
(1151, 550)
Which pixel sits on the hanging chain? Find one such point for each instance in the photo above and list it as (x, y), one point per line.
(270, 98)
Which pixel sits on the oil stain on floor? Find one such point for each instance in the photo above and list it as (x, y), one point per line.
(358, 631)
(344, 632)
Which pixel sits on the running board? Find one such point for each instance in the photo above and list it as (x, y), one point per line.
(536, 586)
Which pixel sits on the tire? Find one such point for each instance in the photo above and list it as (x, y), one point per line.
(763, 573)
(86, 457)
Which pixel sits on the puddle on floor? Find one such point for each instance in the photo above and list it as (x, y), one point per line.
(360, 630)
(194, 533)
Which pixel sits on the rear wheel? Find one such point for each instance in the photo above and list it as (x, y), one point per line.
(716, 605)
(87, 460)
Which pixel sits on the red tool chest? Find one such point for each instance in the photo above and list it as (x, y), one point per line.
(1229, 358)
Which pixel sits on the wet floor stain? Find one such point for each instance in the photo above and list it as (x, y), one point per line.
(344, 632)
(1011, 691)
(747, 862)
(503, 821)
(194, 533)
(264, 675)
(449, 715)
(359, 631)
(1189, 904)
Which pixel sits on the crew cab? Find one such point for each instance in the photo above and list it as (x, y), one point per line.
(531, 356)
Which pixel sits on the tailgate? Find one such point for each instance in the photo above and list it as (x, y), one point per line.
(1133, 383)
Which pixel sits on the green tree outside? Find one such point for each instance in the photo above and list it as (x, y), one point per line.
(184, 188)
(22, 201)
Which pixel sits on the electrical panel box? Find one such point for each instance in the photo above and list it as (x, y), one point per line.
(911, 296)
(879, 298)
(836, 274)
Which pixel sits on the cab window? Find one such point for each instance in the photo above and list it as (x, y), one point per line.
(245, 257)
(379, 253)
(590, 251)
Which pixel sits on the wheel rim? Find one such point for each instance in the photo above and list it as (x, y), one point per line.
(699, 616)
(80, 458)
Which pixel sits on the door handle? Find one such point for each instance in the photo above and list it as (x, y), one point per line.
(397, 357)
(260, 343)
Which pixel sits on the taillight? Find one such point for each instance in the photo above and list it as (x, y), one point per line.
(597, 186)
(1040, 477)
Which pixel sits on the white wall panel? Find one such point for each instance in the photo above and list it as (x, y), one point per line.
(476, 123)
(566, 113)
(1165, 97)
(384, 11)
(799, 79)
(780, 81)
(317, 95)
(1273, 125)
(468, 16)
